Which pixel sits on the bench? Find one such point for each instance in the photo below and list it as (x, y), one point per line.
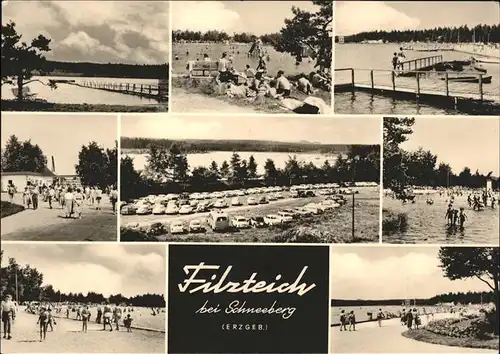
(206, 68)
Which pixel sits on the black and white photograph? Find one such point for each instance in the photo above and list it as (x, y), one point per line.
(397, 299)
(441, 180)
(248, 299)
(85, 56)
(417, 57)
(59, 177)
(250, 179)
(100, 298)
(252, 56)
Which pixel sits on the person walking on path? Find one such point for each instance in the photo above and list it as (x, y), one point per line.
(8, 316)
(11, 190)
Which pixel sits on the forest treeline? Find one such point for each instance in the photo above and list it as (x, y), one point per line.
(30, 288)
(462, 34)
(206, 145)
(167, 171)
(462, 298)
(85, 69)
(222, 36)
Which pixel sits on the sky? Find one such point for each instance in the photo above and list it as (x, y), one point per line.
(257, 17)
(350, 130)
(132, 32)
(355, 16)
(110, 268)
(473, 142)
(61, 136)
(392, 272)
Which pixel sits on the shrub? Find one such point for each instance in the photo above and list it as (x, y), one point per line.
(132, 235)
(395, 223)
(473, 326)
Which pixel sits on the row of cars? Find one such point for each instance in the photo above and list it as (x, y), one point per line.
(173, 204)
(220, 221)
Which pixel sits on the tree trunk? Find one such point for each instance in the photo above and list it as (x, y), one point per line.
(20, 85)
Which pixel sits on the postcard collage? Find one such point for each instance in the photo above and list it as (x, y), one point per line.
(308, 176)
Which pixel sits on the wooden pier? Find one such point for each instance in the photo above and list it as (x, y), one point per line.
(157, 92)
(435, 88)
(420, 64)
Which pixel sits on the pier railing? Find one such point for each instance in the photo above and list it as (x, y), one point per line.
(421, 83)
(159, 91)
(420, 63)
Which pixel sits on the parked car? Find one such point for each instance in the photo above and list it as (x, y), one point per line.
(128, 209)
(257, 221)
(202, 207)
(193, 203)
(303, 212)
(185, 209)
(313, 208)
(177, 227)
(279, 195)
(159, 209)
(236, 201)
(144, 209)
(263, 200)
(240, 222)
(218, 220)
(292, 213)
(220, 203)
(252, 201)
(272, 197)
(196, 226)
(172, 209)
(285, 217)
(272, 219)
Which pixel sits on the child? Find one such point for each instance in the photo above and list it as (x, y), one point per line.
(128, 323)
(85, 318)
(352, 321)
(449, 214)
(43, 320)
(79, 313)
(342, 321)
(462, 218)
(455, 217)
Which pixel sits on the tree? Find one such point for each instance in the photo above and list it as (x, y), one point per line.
(20, 60)
(309, 32)
(93, 165)
(235, 171)
(252, 167)
(166, 165)
(224, 169)
(201, 177)
(482, 263)
(22, 156)
(271, 174)
(112, 167)
(178, 163)
(214, 168)
(130, 179)
(292, 170)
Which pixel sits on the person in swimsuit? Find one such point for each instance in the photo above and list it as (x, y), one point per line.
(352, 321)
(43, 321)
(85, 319)
(117, 315)
(99, 314)
(380, 317)
(449, 214)
(283, 86)
(343, 321)
(462, 218)
(395, 61)
(98, 197)
(107, 315)
(52, 321)
(128, 323)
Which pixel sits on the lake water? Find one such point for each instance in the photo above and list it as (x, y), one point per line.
(279, 158)
(66, 93)
(379, 56)
(426, 223)
(279, 61)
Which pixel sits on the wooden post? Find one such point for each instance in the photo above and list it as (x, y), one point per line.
(447, 83)
(371, 78)
(141, 88)
(133, 87)
(352, 77)
(127, 87)
(418, 83)
(481, 87)
(393, 81)
(150, 89)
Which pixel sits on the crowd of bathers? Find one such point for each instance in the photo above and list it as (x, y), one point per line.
(69, 197)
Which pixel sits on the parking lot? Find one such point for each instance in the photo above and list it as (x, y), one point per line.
(325, 205)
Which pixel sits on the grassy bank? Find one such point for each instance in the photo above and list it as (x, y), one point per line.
(8, 209)
(470, 342)
(393, 223)
(260, 104)
(33, 106)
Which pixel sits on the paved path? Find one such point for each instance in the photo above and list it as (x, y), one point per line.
(369, 338)
(68, 338)
(46, 224)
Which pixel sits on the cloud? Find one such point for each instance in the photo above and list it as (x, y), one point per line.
(403, 274)
(106, 268)
(97, 31)
(214, 15)
(362, 16)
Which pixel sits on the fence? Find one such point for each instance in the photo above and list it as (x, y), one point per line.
(420, 63)
(444, 84)
(159, 91)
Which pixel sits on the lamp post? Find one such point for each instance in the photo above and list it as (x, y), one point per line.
(353, 183)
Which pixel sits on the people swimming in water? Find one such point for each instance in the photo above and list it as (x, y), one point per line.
(462, 218)
(449, 214)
